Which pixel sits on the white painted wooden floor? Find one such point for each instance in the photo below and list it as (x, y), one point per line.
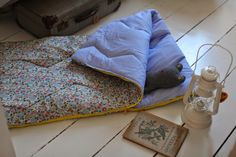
(192, 23)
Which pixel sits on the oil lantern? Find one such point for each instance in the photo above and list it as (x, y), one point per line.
(203, 96)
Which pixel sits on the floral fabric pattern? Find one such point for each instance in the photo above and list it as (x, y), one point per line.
(39, 83)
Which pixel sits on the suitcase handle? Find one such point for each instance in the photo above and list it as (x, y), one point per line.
(86, 14)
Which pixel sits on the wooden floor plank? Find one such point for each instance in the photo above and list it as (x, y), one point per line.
(189, 16)
(86, 136)
(210, 30)
(29, 140)
(120, 147)
(168, 8)
(229, 148)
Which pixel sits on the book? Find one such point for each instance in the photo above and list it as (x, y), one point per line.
(156, 133)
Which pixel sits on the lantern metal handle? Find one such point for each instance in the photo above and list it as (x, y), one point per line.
(229, 71)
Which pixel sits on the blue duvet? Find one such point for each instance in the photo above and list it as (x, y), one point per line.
(131, 47)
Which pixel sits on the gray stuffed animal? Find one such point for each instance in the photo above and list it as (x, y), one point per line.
(166, 78)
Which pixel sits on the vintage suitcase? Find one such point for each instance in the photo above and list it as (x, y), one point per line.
(61, 17)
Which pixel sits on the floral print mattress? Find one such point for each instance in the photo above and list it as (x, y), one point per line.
(39, 83)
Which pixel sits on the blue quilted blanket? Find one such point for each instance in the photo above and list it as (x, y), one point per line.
(133, 46)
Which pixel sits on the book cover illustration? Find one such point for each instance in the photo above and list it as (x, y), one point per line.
(156, 133)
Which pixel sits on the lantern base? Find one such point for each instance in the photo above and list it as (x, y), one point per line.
(196, 119)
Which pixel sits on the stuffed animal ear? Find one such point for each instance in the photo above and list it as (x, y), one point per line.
(179, 66)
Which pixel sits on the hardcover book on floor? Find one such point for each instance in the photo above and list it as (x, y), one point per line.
(156, 133)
